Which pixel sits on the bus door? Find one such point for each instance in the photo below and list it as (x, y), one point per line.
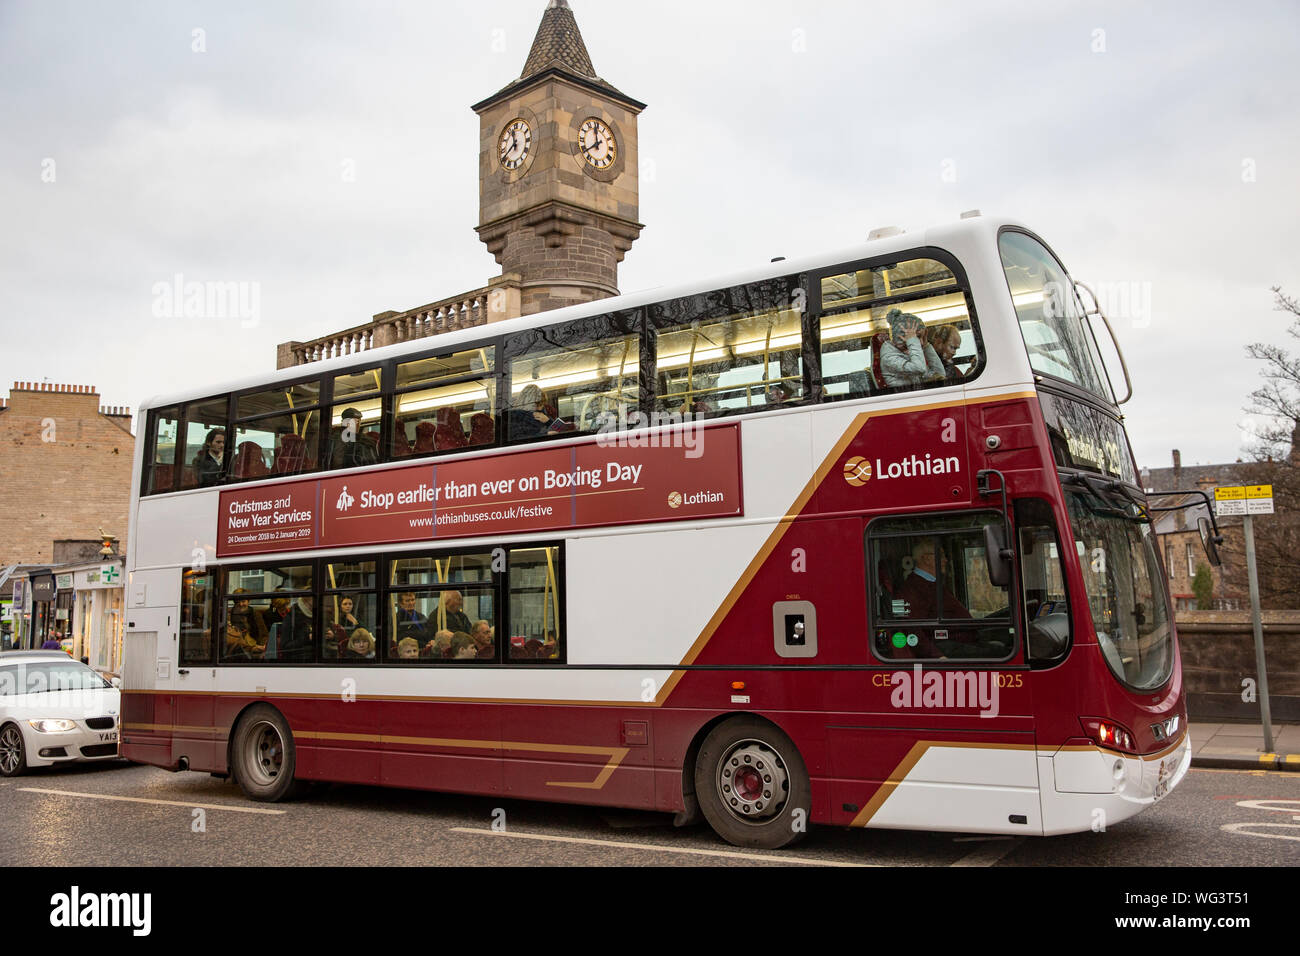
(954, 734)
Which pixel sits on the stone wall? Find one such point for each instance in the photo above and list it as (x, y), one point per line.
(1218, 649)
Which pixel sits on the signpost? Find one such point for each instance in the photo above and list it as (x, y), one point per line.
(1246, 501)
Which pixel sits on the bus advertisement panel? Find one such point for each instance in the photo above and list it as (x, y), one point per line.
(591, 484)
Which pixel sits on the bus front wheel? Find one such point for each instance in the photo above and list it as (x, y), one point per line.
(263, 755)
(752, 784)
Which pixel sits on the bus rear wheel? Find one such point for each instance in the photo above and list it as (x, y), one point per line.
(263, 756)
(752, 784)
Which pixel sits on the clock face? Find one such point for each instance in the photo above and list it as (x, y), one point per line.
(515, 142)
(596, 141)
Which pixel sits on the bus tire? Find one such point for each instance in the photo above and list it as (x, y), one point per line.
(263, 755)
(752, 784)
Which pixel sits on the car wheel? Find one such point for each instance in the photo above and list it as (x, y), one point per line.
(752, 784)
(13, 752)
(263, 756)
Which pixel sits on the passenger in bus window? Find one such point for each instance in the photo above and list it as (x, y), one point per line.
(360, 646)
(779, 394)
(336, 635)
(410, 622)
(439, 647)
(295, 643)
(351, 450)
(250, 624)
(209, 463)
(408, 649)
(462, 647)
(482, 635)
(530, 417)
(455, 618)
(905, 359)
(274, 614)
(946, 340)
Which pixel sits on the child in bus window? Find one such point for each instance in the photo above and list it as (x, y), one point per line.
(463, 646)
(360, 646)
(408, 649)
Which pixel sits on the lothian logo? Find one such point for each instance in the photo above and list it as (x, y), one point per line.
(857, 471)
(345, 501)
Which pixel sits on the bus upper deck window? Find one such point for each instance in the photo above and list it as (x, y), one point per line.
(894, 327)
(730, 350)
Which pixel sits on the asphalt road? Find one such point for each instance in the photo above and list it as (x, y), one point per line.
(125, 815)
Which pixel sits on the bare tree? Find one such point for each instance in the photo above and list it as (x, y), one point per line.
(1277, 463)
(1278, 399)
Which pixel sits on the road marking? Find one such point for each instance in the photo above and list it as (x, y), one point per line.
(1241, 828)
(988, 855)
(1261, 803)
(662, 849)
(166, 803)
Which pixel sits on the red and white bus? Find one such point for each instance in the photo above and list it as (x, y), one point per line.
(854, 539)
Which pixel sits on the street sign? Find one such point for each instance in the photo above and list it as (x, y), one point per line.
(1259, 499)
(1230, 501)
(1243, 500)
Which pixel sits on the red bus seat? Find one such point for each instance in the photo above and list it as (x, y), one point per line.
(877, 340)
(291, 456)
(424, 437)
(482, 429)
(450, 433)
(249, 462)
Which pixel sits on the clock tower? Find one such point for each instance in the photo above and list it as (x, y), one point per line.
(558, 197)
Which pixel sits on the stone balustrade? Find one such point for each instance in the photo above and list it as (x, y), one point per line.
(497, 301)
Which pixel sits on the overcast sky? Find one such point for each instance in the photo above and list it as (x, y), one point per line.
(327, 152)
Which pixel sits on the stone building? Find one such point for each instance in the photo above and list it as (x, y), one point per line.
(65, 470)
(558, 198)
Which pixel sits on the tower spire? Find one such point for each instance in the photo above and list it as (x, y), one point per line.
(558, 43)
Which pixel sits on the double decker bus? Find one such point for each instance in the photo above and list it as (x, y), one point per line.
(855, 539)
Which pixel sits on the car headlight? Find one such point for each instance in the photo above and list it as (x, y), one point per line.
(55, 725)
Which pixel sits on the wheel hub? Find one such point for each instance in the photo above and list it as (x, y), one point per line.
(752, 780)
(268, 752)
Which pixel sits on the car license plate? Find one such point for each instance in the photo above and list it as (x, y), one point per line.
(110, 736)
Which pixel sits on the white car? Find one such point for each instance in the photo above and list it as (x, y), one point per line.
(54, 710)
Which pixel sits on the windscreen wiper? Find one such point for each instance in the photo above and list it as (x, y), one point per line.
(1104, 488)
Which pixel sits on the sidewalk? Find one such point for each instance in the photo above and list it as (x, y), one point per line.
(1241, 746)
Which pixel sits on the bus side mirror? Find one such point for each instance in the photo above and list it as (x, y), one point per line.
(998, 555)
(1209, 541)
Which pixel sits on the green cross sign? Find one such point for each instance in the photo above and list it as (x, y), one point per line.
(110, 573)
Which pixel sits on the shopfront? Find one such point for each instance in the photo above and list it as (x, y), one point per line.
(95, 599)
(40, 622)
